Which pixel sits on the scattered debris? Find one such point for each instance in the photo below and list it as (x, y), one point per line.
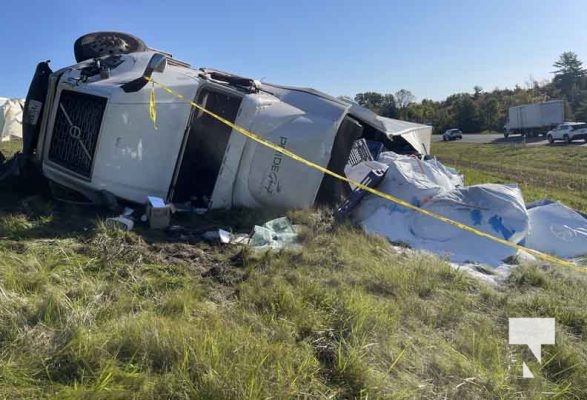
(121, 222)
(275, 234)
(124, 221)
(373, 178)
(10, 118)
(220, 235)
(158, 213)
(498, 210)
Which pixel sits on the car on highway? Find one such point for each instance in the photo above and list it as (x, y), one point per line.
(452, 134)
(568, 132)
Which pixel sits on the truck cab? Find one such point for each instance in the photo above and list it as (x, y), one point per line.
(99, 128)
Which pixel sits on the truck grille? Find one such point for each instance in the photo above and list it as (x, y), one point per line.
(76, 130)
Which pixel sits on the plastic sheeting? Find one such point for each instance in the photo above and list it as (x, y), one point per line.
(10, 118)
(275, 234)
(557, 229)
(498, 210)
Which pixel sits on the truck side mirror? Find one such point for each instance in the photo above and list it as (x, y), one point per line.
(157, 63)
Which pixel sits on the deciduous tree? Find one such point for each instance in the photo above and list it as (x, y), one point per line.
(404, 98)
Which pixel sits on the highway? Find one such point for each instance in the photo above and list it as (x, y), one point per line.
(495, 138)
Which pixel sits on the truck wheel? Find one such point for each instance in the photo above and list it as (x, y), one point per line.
(98, 44)
(550, 139)
(567, 139)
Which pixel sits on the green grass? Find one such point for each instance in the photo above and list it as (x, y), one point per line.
(87, 312)
(10, 147)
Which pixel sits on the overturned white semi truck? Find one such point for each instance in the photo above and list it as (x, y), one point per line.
(87, 128)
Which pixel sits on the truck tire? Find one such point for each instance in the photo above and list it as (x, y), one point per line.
(98, 44)
(567, 139)
(550, 139)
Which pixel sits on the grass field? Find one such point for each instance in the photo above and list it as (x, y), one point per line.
(88, 312)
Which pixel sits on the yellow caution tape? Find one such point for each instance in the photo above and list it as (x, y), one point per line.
(273, 146)
(153, 105)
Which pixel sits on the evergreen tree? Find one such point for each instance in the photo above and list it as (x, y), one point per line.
(569, 75)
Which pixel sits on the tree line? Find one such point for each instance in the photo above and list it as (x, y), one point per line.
(486, 111)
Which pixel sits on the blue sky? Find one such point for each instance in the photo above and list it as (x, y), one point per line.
(433, 48)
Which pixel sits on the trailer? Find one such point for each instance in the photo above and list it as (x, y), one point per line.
(534, 119)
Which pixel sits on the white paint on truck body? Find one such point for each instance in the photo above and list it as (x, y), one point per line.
(537, 115)
(302, 125)
(135, 158)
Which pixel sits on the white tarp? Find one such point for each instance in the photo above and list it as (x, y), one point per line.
(557, 229)
(10, 118)
(495, 209)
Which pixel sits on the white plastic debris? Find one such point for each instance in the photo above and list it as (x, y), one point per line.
(121, 222)
(10, 118)
(557, 229)
(275, 234)
(413, 180)
(219, 235)
(492, 276)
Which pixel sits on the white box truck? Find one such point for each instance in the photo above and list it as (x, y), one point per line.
(534, 119)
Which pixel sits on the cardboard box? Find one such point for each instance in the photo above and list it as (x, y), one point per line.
(158, 213)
